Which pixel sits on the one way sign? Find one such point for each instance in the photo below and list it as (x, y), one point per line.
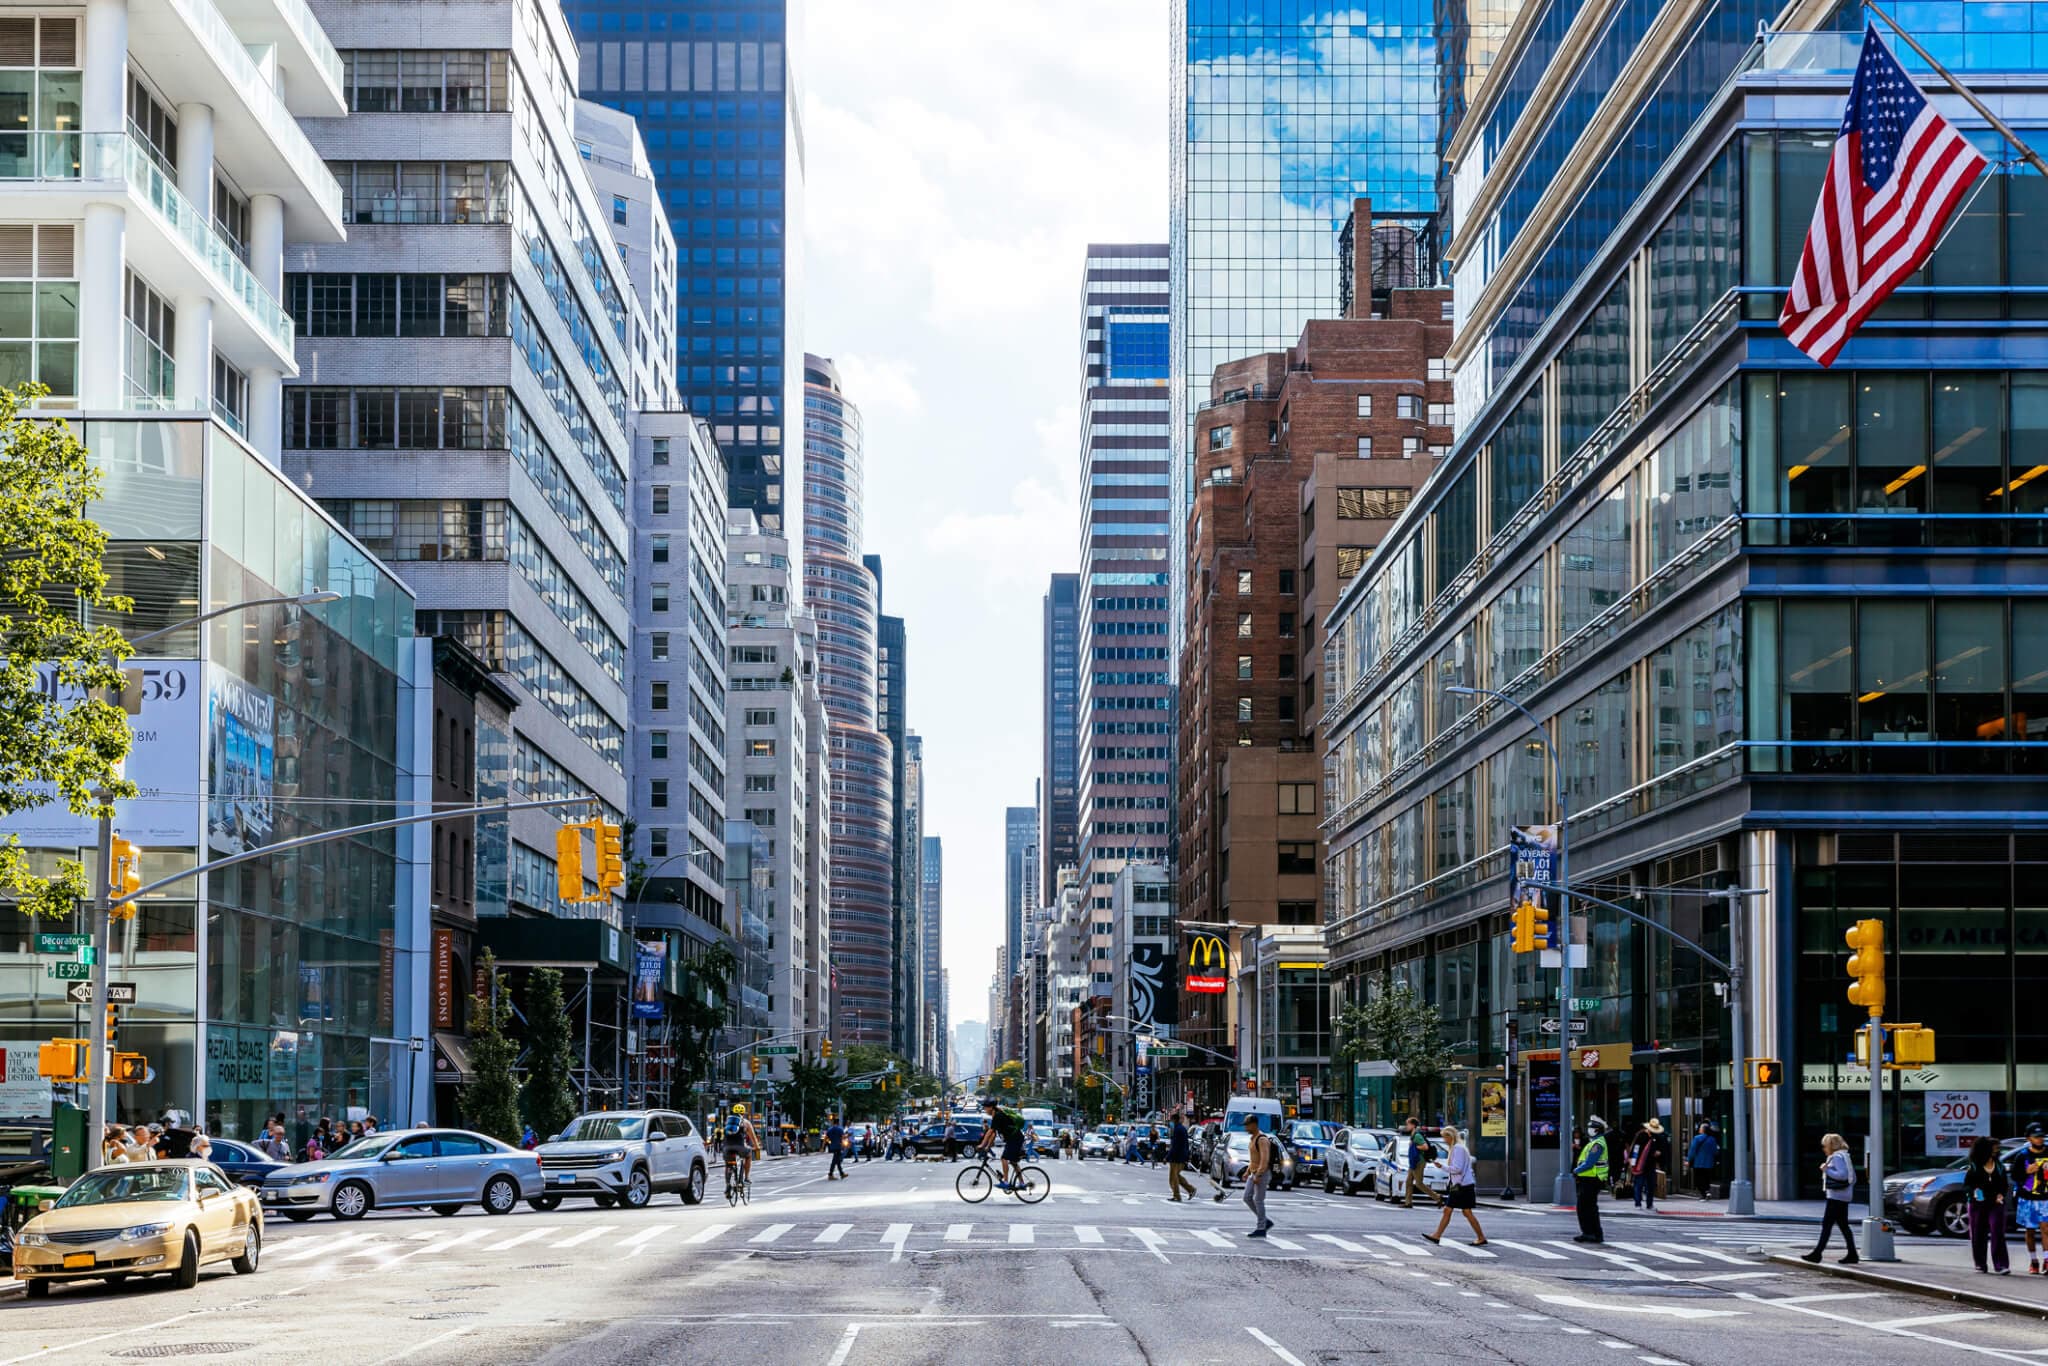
(118, 993)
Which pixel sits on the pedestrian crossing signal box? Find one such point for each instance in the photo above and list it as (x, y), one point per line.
(127, 1068)
(1905, 1046)
(64, 1060)
(1765, 1073)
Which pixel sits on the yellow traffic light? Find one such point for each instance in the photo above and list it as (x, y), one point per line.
(1765, 1072)
(828, 1048)
(1866, 965)
(113, 1023)
(611, 856)
(127, 1068)
(1539, 925)
(124, 875)
(1524, 940)
(1912, 1046)
(64, 1060)
(754, 1066)
(569, 862)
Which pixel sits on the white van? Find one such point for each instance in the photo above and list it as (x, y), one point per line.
(1265, 1107)
(1038, 1114)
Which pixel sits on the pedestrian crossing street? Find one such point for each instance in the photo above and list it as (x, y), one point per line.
(407, 1244)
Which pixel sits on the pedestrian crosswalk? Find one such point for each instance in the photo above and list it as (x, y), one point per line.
(369, 1249)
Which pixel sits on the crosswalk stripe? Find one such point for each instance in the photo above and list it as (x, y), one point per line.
(1088, 1233)
(516, 1240)
(708, 1232)
(1022, 1233)
(1532, 1251)
(1619, 1259)
(1923, 1320)
(832, 1233)
(1398, 1245)
(1709, 1252)
(1151, 1239)
(316, 1246)
(771, 1233)
(1212, 1238)
(958, 1233)
(441, 1245)
(1345, 1243)
(1277, 1241)
(1648, 1250)
(583, 1237)
(1468, 1250)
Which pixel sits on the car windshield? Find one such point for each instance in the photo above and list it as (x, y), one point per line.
(373, 1146)
(1240, 1142)
(1364, 1143)
(605, 1129)
(115, 1185)
(1307, 1131)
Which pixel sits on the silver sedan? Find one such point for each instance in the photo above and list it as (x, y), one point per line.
(443, 1169)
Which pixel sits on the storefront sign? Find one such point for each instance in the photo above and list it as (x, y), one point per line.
(238, 1064)
(1956, 1119)
(387, 970)
(1602, 1057)
(1208, 965)
(444, 979)
(1493, 1109)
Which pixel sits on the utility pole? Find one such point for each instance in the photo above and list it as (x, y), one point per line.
(1741, 1192)
(102, 945)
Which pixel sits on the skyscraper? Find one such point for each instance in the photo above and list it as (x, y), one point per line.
(1281, 118)
(931, 912)
(891, 696)
(1124, 714)
(713, 86)
(1057, 843)
(845, 598)
(1020, 874)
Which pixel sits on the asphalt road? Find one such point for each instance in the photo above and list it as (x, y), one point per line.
(890, 1266)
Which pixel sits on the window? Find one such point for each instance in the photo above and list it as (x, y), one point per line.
(657, 793)
(1244, 666)
(657, 549)
(1220, 438)
(1449, 311)
(1439, 368)
(1365, 405)
(760, 749)
(1365, 448)
(1244, 709)
(658, 498)
(230, 393)
(1365, 504)
(1350, 559)
(763, 816)
(1244, 625)
(152, 377)
(1440, 414)
(1287, 625)
(760, 782)
(425, 82)
(1297, 858)
(1408, 406)
(760, 716)
(1297, 913)
(1287, 666)
(657, 744)
(657, 841)
(1287, 582)
(1411, 446)
(660, 456)
(657, 596)
(1244, 581)
(1297, 799)
(657, 645)
(658, 695)
(618, 208)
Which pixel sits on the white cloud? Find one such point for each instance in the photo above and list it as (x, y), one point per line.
(881, 381)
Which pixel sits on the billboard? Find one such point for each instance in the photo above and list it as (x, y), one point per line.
(162, 701)
(1208, 965)
(1152, 996)
(649, 960)
(241, 754)
(1534, 849)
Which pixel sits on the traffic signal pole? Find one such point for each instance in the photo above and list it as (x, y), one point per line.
(1877, 1235)
(102, 944)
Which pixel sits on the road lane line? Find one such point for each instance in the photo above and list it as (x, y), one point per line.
(959, 1233)
(1467, 1249)
(1709, 1252)
(403, 1353)
(101, 1337)
(1831, 1295)
(1649, 1251)
(1087, 1233)
(1397, 1244)
(708, 1232)
(516, 1240)
(350, 1243)
(1277, 1241)
(845, 1346)
(771, 1233)
(1922, 1320)
(1213, 1238)
(1021, 1233)
(585, 1236)
(1151, 1239)
(1617, 1258)
(832, 1233)
(640, 1241)
(1525, 1247)
(1275, 1348)
(1818, 1313)
(893, 1238)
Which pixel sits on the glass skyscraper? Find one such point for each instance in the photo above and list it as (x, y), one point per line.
(711, 83)
(1285, 110)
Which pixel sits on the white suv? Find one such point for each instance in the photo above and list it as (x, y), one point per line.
(623, 1157)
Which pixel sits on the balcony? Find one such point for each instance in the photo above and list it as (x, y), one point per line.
(304, 50)
(81, 168)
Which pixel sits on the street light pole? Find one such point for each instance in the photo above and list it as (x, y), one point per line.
(1564, 1193)
(633, 934)
(97, 1054)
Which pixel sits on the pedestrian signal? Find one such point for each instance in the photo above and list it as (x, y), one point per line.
(64, 1059)
(1866, 966)
(1912, 1046)
(127, 1068)
(1765, 1072)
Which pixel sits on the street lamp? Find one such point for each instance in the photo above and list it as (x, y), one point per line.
(633, 930)
(102, 930)
(1563, 1191)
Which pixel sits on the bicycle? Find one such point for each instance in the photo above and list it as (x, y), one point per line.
(974, 1183)
(738, 1187)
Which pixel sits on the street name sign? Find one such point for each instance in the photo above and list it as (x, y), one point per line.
(777, 1050)
(71, 972)
(62, 943)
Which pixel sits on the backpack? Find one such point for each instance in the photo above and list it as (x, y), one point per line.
(735, 1127)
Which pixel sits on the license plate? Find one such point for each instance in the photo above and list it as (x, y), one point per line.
(565, 1179)
(75, 1260)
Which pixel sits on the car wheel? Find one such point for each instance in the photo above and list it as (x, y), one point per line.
(605, 1201)
(501, 1194)
(352, 1200)
(693, 1189)
(298, 1216)
(1952, 1217)
(639, 1190)
(187, 1274)
(1329, 1184)
(544, 1203)
(39, 1289)
(252, 1251)
(445, 1210)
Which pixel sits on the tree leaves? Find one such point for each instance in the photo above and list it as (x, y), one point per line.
(548, 1098)
(490, 1099)
(1395, 1025)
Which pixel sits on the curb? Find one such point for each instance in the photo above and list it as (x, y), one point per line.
(1981, 1299)
(1808, 1220)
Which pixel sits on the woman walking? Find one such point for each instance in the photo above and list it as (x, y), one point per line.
(1462, 1194)
(1838, 1183)
(1987, 1190)
(1642, 1168)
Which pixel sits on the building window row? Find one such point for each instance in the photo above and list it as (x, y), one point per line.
(575, 611)
(380, 305)
(425, 81)
(544, 677)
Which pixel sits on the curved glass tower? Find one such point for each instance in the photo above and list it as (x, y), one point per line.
(842, 594)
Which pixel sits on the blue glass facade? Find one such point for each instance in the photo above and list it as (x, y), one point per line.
(709, 82)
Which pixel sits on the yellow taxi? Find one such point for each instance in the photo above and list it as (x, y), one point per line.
(141, 1219)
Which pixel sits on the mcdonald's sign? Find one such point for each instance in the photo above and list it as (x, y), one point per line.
(1208, 965)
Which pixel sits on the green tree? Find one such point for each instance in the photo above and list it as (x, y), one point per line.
(811, 1092)
(490, 1100)
(547, 1098)
(699, 1019)
(62, 735)
(1395, 1025)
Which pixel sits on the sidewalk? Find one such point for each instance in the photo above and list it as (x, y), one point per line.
(1943, 1271)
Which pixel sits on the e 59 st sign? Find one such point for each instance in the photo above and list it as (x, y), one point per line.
(1208, 965)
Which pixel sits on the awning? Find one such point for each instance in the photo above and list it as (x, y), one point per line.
(451, 1058)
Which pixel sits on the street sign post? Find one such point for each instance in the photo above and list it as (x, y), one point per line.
(118, 993)
(1552, 1025)
(71, 972)
(62, 943)
(776, 1050)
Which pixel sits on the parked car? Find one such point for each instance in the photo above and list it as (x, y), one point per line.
(1202, 1144)
(1230, 1158)
(1354, 1159)
(442, 1169)
(1041, 1140)
(1390, 1180)
(241, 1161)
(930, 1141)
(624, 1157)
(1310, 1141)
(1098, 1143)
(1930, 1200)
(141, 1219)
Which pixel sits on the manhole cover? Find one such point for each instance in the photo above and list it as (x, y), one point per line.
(184, 1349)
(451, 1314)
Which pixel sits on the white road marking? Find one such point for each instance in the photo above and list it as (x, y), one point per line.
(100, 1337)
(1151, 1240)
(1397, 1244)
(1275, 1348)
(436, 1248)
(317, 1247)
(644, 1239)
(708, 1232)
(1894, 1332)
(1610, 1342)
(1736, 1276)
(1675, 1311)
(958, 1233)
(1659, 1361)
(845, 1346)
(1277, 1241)
(1617, 1258)
(1087, 1233)
(1922, 1320)
(771, 1233)
(1022, 1233)
(1831, 1295)
(1709, 1252)
(894, 1237)
(1525, 1247)
(421, 1346)
(1468, 1250)
(516, 1240)
(832, 1233)
(1212, 1238)
(1648, 1250)
(1344, 1243)
(584, 1236)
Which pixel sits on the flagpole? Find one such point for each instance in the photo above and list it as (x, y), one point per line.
(1969, 96)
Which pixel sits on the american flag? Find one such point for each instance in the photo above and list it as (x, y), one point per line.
(1898, 172)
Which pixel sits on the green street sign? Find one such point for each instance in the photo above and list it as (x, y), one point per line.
(1167, 1050)
(71, 972)
(62, 943)
(776, 1050)
(1585, 1003)
(860, 1086)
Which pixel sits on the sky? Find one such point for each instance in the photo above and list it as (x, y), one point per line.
(959, 160)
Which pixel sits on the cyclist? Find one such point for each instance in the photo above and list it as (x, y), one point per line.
(741, 1143)
(1010, 1126)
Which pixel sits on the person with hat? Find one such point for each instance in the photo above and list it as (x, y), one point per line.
(1642, 1165)
(1590, 1174)
(2029, 1173)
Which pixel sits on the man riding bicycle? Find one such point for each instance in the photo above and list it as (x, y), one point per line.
(741, 1144)
(1010, 1126)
